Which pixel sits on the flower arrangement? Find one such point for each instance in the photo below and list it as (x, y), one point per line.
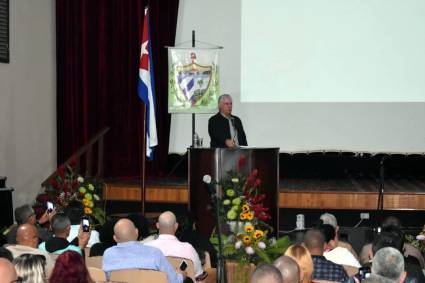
(68, 186)
(417, 241)
(242, 206)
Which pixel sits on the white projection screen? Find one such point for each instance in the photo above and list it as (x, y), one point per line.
(304, 75)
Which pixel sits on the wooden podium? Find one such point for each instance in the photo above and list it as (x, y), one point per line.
(216, 162)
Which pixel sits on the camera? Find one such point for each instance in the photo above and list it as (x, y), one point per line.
(86, 225)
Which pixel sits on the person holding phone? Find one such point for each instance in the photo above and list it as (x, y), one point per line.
(75, 213)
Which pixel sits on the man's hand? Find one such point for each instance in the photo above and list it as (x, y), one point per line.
(230, 143)
(46, 217)
(184, 273)
(83, 238)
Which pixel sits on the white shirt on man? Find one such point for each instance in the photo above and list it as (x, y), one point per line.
(73, 233)
(171, 246)
(342, 256)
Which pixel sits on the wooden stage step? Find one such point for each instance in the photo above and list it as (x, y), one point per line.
(288, 197)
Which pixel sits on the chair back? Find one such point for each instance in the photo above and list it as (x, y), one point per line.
(138, 276)
(96, 274)
(207, 262)
(94, 261)
(176, 261)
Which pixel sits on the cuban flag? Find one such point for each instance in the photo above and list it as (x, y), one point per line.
(146, 87)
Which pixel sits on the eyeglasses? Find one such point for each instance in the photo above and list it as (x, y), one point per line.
(18, 280)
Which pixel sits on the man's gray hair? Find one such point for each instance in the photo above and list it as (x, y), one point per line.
(266, 273)
(389, 263)
(288, 268)
(60, 222)
(330, 219)
(222, 97)
(22, 213)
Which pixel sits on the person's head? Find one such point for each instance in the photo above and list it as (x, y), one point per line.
(167, 223)
(25, 214)
(330, 219)
(31, 268)
(391, 221)
(330, 236)
(7, 271)
(303, 258)
(74, 211)
(106, 232)
(389, 263)
(125, 231)
(141, 223)
(225, 104)
(186, 222)
(375, 278)
(314, 240)
(70, 268)
(266, 273)
(27, 235)
(289, 269)
(5, 253)
(390, 236)
(61, 225)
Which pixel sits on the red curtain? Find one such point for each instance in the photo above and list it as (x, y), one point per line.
(98, 49)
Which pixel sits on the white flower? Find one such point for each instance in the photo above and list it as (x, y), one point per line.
(261, 245)
(249, 250)
(207, 179)
(80, 179)
(420, 237)
(238, 245)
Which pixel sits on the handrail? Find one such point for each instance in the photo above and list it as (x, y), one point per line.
(87, 148)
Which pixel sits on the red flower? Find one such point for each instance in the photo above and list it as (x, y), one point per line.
(254, 173)
(73, 161)
(61, 172)
(257, 183)
(241, 162)
(54, 183)
(74, 184)
(65, 187)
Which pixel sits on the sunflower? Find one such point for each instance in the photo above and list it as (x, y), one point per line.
(243, 216)
(250, 215)
(88, 210)
(245, 208)
(249, 228)
(258, 234)
(246, 240)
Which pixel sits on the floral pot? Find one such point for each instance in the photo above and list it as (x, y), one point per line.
(237, 272)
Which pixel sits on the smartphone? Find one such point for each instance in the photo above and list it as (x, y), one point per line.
(86, 225)
(50, 207)
(364, 272)
(183, 265)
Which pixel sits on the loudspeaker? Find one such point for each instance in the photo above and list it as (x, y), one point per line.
(357, 237)
(6, 208)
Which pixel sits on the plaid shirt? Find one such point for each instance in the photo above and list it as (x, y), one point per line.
(327, 270)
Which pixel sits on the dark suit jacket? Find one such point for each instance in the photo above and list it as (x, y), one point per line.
(219, 130)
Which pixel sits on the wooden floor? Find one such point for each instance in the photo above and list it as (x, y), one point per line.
(353, 193)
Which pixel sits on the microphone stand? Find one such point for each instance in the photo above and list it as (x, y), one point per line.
(380, 208)
(213, 192)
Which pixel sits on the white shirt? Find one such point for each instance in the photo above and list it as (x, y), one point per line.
(73, 233)
(342, 256)
(171, 246)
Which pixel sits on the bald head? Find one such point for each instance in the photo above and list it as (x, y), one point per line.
(27, 235)
(314, 241)
(288, 268)
(7, 271)
(124, 231)
(167, 223)
(266, 273)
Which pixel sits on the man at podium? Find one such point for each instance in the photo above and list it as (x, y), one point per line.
(225, 129)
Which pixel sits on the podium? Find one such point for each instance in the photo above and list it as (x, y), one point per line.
(216, 162)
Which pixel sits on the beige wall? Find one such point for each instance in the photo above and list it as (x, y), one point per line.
(28, 100)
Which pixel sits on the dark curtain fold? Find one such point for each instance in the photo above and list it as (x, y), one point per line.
(98, 49)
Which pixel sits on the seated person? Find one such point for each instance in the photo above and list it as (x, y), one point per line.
(106, 237)
(61, 225)
(131, 254)
(388, 264)
(7, 271)
(288, 268)
(75, 212)
(266, 273)
(168, 243)
(25, 214)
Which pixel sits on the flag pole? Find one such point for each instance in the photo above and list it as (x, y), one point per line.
(193, 114)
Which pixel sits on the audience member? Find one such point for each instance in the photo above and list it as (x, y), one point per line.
(106, 237)
(330, 219)
(266, 273)
(389, 263)
(75, 212)
(409, 250)
(31, 268)
(335, 253)
(131, 254)
(323, 268)
(27, 242)
(303, 258)
(7, 271)
(187, 232)
(288, 268)
(168, 243)
(5, 253)
(141, 224)
(61, 225)
(25, 214)
(70, 268)
(391, 236)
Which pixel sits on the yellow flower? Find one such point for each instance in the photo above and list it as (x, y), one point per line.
(243, 216)
(235, 180)
(250, 215)
(91, 187)
(86, 202)
(249, 228)
(258, 234)
(246, 240)
(245, 208)
(87, 210)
